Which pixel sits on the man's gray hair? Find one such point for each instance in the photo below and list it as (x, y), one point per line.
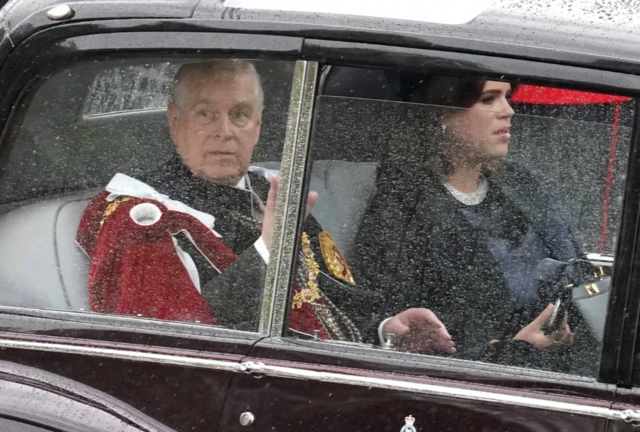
(210, 69)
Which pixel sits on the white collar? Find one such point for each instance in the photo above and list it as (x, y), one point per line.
(122, 184)
(242, 184)
(470, 199)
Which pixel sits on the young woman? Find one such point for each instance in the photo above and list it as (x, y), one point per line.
(455, 233)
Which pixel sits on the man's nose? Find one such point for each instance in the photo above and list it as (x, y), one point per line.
(223, 128)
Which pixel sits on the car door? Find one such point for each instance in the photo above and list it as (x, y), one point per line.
(80, 104)
(626, 369)
(298, 382)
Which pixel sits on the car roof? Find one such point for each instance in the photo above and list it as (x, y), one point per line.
(607, 31)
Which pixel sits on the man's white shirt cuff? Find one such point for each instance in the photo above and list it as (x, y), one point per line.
(381, 330)
(262, 249)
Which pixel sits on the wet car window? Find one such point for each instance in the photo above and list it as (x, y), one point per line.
(136, 87)
(462, 217)
(140, 188)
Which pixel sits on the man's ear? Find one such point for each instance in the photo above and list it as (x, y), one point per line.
(260, 119)
(172, 117)
(258, 124)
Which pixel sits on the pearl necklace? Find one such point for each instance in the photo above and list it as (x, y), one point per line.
(473, 198)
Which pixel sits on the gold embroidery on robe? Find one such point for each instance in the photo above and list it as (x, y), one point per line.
(333, 258)
(112, 206)
(311, 293)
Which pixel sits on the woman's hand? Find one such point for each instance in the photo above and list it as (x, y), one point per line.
(420, 330)
(533, 332)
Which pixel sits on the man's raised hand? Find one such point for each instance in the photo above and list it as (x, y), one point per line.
(270, 209)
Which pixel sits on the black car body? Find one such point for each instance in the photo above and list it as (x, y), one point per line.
(191, 377)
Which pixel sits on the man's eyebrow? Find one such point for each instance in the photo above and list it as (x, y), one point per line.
(240, 105)
(244, 105)
(203, 101)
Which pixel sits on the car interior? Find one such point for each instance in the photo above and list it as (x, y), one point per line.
(63, 148)
(59, 157)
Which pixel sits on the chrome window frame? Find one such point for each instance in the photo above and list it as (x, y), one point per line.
(277, 286)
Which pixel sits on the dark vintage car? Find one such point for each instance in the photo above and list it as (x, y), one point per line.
(84, 89)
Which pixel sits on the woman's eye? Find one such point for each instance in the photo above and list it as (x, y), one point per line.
(487, 100)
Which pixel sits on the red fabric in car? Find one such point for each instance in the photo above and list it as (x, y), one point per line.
(135, 269)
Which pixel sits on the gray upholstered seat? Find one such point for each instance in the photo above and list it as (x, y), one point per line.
(42, 267)
(344, 191)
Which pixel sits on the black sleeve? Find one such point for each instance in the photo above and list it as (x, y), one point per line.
(235, 295)
(405, 249)
(357, 304)
(379, 267)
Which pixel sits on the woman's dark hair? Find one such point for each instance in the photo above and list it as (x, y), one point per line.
(448, 91)
(442, 93)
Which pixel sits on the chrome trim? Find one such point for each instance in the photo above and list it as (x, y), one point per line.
(600, 259)
(288, 151)
(176, 360)
(256, 366)
(123, 322)
(277, 282)
(630, 416)
(440, 391)
(60, 12)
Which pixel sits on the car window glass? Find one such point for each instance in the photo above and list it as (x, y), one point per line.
(461, 217)
(138, 187)
(128, 88)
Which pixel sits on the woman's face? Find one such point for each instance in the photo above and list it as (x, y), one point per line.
(483, 131)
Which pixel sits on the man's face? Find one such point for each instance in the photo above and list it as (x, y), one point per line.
(217, 125)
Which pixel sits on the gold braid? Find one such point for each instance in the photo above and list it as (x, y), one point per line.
(111, 207)
(328, 314)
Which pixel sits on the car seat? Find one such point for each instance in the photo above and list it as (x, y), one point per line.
(42, 267)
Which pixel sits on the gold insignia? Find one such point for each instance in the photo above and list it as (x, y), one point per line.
(111, 207)
(333, 258)
(311, 293)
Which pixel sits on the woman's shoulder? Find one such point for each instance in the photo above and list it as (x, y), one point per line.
(404, 203)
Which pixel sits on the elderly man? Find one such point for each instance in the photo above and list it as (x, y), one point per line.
(215, 116)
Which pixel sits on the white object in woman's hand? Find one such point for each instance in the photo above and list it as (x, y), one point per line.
(534, 333)
(420, 330)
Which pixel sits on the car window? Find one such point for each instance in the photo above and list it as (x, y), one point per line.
(138, 188)
(462, 217)
(129, 88)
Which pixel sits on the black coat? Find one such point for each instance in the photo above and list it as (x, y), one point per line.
(418, 250)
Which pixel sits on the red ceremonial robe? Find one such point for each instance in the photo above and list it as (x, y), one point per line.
(135, 268)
